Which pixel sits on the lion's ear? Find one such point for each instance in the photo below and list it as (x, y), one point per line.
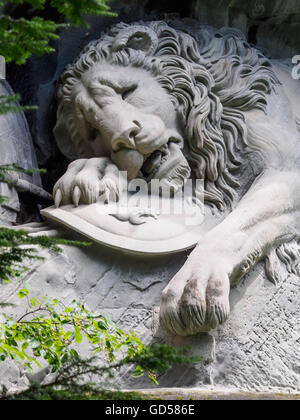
(64, 140)
(68, 133)
(138, 38)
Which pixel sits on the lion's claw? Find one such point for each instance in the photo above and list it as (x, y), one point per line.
(57, 198)
(76, 195)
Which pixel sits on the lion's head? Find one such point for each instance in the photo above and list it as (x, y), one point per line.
(162, 102)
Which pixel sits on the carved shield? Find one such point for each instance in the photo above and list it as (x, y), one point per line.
(148, 225)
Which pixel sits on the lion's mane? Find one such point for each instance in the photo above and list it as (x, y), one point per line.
(213, 76)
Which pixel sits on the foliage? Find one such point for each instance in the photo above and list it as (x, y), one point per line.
(9, 171)
(17, 246)
(9, 103)
(50, 330)
(73, 10)
(21, 38)
(77, 392)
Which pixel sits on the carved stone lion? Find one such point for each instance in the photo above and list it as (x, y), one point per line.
(170, 101)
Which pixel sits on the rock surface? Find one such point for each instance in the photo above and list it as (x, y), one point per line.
(256, 350)
(214, 395)
(15, 147)
(272, 25)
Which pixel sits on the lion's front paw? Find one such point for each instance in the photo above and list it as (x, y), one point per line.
(196, 299)
(86, 180)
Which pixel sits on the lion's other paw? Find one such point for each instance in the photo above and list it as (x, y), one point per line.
(196, 300)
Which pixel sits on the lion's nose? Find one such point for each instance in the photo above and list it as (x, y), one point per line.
(126, 138)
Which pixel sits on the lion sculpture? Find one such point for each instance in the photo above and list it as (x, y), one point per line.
(173, 101)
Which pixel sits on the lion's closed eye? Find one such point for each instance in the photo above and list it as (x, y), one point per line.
(128, 91)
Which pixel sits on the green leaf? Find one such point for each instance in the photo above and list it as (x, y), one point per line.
(74, 354)
(34, 302)
(49, 343)
(78, 335)
(68, 310)
(102, 325)
(24, 346)
(23, 293)
(139, 371)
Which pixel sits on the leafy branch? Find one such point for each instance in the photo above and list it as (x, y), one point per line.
(21, 38)
(53, 335)
(17, 246)
(9, 103)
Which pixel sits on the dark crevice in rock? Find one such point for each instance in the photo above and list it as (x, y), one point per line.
(167, 7)
(252, 33)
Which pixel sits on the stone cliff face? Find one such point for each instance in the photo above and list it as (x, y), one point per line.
(258, 348)
(273, 25)
(15, 147)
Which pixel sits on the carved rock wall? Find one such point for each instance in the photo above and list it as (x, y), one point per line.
(273, 25)
(16, 146)
(258, 349)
